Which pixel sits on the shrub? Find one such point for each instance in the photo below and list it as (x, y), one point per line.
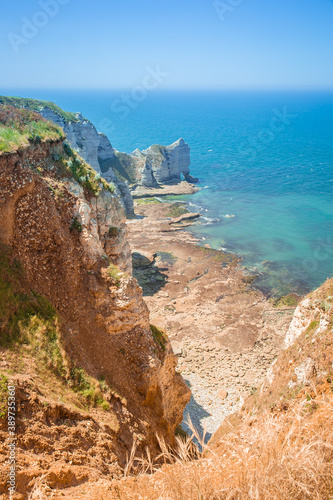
(113, 231)
(312, 327)
(68, 150)
(89, 388)
(159, 336)
(3, 396)
(325, 306)
(115, 274)
(105, 405)
(34, 138)
(76, 225)
(111, 187)
(27, 318)
(81, 172)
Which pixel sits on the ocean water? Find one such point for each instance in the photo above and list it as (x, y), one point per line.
(265, 164)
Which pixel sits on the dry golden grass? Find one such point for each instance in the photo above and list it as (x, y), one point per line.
(280, 446)
(273, 456)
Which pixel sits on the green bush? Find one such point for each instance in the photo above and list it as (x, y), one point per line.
(111, 187)
(77, 168)
(76, 225)
(159, 336)
(27, 318)
(68, 150)
(3, 396)
(312, 327)
(115, 274)
(89, 388)
(113, 231)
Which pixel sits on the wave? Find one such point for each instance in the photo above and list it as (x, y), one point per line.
(198, 208)
(211, 220)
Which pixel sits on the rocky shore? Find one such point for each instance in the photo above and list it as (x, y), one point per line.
(175, 189)
(225, 333)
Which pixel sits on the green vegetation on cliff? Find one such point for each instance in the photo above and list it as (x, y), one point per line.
(30, 329)
(159, 336)
(72, 164)
(21, 127)
(37, 105)
(114, 273)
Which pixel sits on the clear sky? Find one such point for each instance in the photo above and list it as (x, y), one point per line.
(195, 43)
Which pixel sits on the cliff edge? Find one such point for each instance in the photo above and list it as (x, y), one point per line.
(93, 146)
(66, 285)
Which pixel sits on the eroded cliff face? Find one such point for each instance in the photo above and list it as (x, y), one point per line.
(94, 147)
(65, 239)
(165, 164)
(307, 360)
(158, 164)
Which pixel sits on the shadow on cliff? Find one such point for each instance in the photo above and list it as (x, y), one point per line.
(148, 275)
(196, 413)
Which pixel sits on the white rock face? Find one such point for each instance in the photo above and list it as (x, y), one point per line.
(305, 371)
(307, 312)
(299, 323)
(160, 164)
(270, 373)
(95, 148)
(96, 218)
(168, 163)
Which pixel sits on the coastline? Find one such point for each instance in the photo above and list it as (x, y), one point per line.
(222, 329)
(179, 188)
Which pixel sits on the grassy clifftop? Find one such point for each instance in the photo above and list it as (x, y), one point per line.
(21, 127)
(37, 105)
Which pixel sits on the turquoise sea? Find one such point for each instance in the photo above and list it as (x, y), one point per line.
(264, 160)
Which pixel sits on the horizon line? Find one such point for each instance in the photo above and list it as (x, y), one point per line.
(170, 89)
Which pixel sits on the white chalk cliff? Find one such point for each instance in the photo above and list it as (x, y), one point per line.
(95, 148)
(153, 168)
(157, 165)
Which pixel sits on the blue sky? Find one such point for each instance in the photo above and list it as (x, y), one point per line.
(111, 43)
